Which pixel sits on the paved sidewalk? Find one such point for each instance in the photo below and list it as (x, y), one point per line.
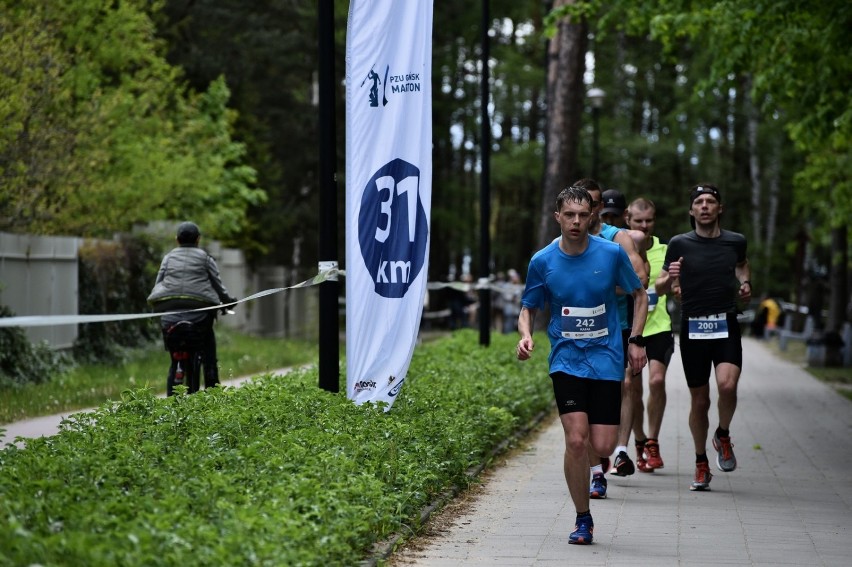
(49, 424)
(788, 503)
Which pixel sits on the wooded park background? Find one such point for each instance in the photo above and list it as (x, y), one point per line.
(115, 114)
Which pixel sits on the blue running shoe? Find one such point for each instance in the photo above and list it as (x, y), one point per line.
(725, 459)
(583, 530)
(598, 488)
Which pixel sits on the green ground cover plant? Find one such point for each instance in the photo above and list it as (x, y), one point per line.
(274, 472)
(90, 385)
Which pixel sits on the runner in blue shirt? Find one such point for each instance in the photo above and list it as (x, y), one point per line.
(576, 276)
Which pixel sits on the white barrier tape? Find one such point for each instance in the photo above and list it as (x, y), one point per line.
(328, 266)
(51, 320)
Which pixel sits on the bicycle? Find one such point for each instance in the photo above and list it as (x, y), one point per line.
(185, 336)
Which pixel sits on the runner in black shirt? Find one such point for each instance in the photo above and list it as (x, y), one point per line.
(708, 270)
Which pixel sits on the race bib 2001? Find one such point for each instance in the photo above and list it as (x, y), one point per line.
(584, 322)
(708, 327)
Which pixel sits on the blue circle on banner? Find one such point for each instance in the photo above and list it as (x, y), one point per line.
(392, 228)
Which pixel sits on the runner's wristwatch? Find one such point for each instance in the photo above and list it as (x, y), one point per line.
(638, 340)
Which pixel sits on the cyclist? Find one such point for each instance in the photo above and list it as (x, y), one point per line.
(189, 279)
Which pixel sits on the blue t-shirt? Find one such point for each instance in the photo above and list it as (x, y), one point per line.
(584, 328)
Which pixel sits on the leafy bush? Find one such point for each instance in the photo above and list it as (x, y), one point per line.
(22, 362)
(115, 277)
(276, 472)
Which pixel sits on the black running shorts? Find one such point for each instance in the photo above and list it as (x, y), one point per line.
(699, 355)
(660, 347)
(599, 399)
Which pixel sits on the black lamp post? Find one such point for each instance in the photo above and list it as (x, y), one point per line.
(596, 98)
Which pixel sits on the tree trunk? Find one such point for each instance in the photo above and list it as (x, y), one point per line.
(773, 192)
(565, 93)
(752, 125)
(839, 297)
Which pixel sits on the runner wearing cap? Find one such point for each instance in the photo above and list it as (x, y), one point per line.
(613, 216)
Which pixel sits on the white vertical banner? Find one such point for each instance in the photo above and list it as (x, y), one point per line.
(388, 190)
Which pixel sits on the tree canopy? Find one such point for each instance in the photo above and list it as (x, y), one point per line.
(99, 131)
(751, 95)
(797, 54)
(117, 113)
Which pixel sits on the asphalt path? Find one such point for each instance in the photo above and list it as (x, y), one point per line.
(788, 503)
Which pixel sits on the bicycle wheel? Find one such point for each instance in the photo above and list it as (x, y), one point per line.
(170, 379)
(193, 374)
(178, 371)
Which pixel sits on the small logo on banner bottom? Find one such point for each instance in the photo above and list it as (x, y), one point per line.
(395, 390)
(392, 228)
(363, 385)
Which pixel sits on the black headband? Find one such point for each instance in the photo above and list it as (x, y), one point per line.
(704, 190)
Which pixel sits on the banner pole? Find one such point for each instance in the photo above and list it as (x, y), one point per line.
(485, 188)
(329, 333)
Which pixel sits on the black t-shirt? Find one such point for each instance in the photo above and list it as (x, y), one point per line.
(708, 281)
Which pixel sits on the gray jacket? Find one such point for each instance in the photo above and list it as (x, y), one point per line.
(188, 278)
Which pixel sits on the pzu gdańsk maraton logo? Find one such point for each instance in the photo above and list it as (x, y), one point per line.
(398, 83)
(392, 228)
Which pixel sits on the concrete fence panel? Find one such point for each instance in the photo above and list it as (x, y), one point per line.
(38, 276)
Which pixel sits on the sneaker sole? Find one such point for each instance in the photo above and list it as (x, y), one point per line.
(695, 488)
(617, 472)
(596, 496)
(723, 469)
(580, 541)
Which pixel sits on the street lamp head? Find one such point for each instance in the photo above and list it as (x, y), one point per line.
(596, 97)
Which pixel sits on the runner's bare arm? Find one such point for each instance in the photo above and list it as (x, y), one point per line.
(667, 280)
(636, 353)
(743, 272)
(626, 241)
(526, 320)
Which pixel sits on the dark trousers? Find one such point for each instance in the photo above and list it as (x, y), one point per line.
(210, 361)
(201, 335)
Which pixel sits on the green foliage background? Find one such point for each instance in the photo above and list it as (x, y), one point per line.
(100, 132)
(115, 114)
